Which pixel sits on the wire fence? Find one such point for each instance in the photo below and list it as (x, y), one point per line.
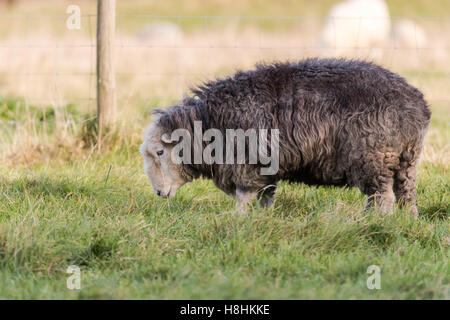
(158, 57)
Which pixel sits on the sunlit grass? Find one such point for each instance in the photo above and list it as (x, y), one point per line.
(96, 210)
(65, 201)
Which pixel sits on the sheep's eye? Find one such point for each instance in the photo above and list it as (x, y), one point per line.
(160, 152)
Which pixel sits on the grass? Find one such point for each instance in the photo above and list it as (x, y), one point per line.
(96, 210)
(65, 202)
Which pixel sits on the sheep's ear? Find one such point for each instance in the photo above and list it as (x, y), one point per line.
(166, 138)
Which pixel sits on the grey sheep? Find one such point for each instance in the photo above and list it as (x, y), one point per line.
(341, 122)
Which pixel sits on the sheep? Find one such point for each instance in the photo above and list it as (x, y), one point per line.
(162, 33)
(356, 24)
(340, 122)
(408, 34)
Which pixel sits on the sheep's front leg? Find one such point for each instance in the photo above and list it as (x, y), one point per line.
(243, 199)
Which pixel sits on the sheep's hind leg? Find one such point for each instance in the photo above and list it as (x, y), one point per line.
(405, 189)
(379, 192)
(381, 200)
(243, 199)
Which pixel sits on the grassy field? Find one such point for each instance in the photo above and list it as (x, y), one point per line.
(97, 211)
(65, 201)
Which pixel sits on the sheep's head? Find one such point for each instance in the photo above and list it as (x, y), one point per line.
(164, 174)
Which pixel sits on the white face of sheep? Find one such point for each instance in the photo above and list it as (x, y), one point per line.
(165, 176)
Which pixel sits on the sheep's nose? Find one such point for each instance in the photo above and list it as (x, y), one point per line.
(158, 193)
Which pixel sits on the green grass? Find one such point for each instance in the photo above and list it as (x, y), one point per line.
(98, 212)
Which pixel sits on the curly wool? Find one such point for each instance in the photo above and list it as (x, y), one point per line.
(341, 122)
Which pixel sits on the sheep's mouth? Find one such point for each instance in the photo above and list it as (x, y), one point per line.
(164, 195)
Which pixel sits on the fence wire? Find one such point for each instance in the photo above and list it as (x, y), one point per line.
(158, 57)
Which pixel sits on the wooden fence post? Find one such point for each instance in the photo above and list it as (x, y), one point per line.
(106, 83)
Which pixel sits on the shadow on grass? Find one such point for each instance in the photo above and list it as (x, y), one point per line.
(440, 211)
(99, 251)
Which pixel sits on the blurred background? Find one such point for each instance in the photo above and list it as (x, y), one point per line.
(164, 47)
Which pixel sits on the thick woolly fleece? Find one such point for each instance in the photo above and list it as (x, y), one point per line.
(341, 122)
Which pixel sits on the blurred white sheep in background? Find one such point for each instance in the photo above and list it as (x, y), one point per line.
(356, 24)
(408, 34)
(161, 33)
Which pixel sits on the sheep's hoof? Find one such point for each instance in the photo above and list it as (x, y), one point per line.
(414, 211)
(242, 209)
